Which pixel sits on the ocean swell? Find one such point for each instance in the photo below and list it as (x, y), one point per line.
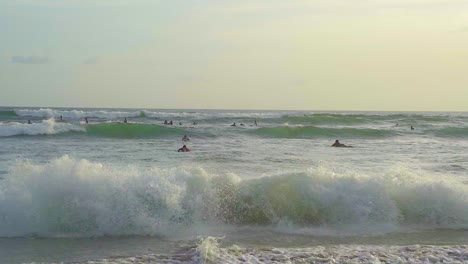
(131, 130)
(314, 132)
(70, 197)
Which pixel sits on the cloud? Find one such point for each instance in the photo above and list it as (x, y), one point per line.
(29, 60)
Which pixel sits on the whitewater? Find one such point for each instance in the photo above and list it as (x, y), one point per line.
(269, 190)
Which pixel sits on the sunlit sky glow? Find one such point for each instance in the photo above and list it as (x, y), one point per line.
(235, 54)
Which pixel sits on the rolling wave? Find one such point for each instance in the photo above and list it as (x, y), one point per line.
(313, 132)
(131, 130)
(76, 114)
(70, 197)
(8, 113)
(46, 127)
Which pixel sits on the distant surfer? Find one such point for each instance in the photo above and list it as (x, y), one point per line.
(165, 122)
(412, 128)
(233, 124)
(86, 120)
(61, 118)
(125, 121)
(180, 123)
(29, 122)
(183, 149)
(241, 124)
(194, 123)
(170, 123)
(185, 138)
(340, 145)
(255, 122)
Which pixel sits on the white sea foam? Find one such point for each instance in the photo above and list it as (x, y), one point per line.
(75, 114)
(69, 197)
(209, 250)
(46, 127)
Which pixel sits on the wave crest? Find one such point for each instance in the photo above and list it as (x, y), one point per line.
(82, 198)
(46, 127)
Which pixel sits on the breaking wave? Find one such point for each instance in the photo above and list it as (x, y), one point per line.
(46, 127)
(76, 114)
(70, 197)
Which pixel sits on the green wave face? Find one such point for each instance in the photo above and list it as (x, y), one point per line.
(312, 132)
(456, 132)
(131, 130)
(8, 113)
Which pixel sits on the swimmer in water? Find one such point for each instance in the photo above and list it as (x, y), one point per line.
(339, 145)
(183, 149)
(255, 122)
(412, 128)
(29, 122)
(185, 138)
(234, 124)
(125, 120)
(165, 122)
(170, 123)
(86, 120)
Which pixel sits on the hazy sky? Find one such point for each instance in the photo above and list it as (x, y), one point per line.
(235, 54)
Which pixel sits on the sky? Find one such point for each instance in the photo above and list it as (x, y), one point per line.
(383, 55)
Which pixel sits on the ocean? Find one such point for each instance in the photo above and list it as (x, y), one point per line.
(269, 190)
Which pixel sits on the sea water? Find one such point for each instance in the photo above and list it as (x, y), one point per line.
(275, 192)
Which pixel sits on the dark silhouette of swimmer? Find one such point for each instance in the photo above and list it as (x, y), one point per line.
(86, 120)
(412, 128)
(125, 120)
(61, 118)
(241, 124)
(255, 122)
(185, 138)
(183, 149)
(180, 123)
(233, 124)
(340, 145)
(170, 123)
(165, 122)
(194, 123)
(29, 122)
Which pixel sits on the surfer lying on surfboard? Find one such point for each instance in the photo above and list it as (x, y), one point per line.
(338, 144)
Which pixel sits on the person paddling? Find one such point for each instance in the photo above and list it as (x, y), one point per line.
(183, 149)
(340, 145)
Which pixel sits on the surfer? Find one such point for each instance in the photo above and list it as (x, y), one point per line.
(61, 118)
(165, 122)
(194, 123)
(412, 128)
(185, 138)
(29, 122)
(255, 122)
(338, 144)
(183, 149)
(170, 123)
(125, 120)
(233, 124)
(241, 124)
(86, 120)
